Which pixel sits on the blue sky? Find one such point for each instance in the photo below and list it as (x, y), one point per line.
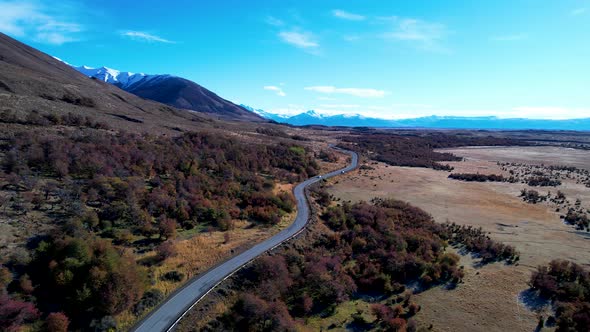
(392, 59)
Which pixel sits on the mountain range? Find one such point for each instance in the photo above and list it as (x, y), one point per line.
(444, 122)
(173, 91)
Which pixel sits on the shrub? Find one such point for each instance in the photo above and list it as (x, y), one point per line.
(57, 322)
(14, 313)
(166, 250)
(104, 324)
(568, 286)
(174, 276)
(149, 300)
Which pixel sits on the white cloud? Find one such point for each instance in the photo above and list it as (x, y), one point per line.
(144, 36)
(347, 16)
(578, 11)
(426, 35)
(297, 39)
(514, 37)
(357, 92)
(340, 106)
(351, 38)
(276, 89)
(271, 20)
(42, 24)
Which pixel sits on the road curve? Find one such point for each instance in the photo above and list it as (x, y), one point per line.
(169, 313)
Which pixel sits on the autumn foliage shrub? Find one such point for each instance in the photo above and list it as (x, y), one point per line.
(567, 285)
(84, 277)
(57, 322)
(14, 313)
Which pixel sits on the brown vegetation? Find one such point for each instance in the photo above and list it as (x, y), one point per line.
(567, 285)
(417, 150)
(369, 250)
(112, 192)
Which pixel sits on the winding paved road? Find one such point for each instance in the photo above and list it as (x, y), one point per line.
(169, 313)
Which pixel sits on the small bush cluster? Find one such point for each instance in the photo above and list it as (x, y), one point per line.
(77, 100)
(532, 196)
(567, 285)
(149, 300)
(578, 219)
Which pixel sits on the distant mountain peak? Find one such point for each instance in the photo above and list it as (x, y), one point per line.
(314, 114)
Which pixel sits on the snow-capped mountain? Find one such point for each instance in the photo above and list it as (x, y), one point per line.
(265, 114)
(444, 122)
(172, 90)
(122, 79)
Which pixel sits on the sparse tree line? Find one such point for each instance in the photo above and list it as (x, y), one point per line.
(115, 193)
(533, 181)
(417, 150)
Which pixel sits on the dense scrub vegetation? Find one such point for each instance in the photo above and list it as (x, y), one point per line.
(114, 193)
(417, 150)
(368, 250)
(83, 277)
(567, 285)
(130, 180)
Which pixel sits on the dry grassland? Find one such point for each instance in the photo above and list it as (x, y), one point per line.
(491, 297)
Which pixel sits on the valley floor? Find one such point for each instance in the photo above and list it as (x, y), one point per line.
(493, 297)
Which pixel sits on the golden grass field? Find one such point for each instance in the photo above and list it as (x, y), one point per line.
(490, 297)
